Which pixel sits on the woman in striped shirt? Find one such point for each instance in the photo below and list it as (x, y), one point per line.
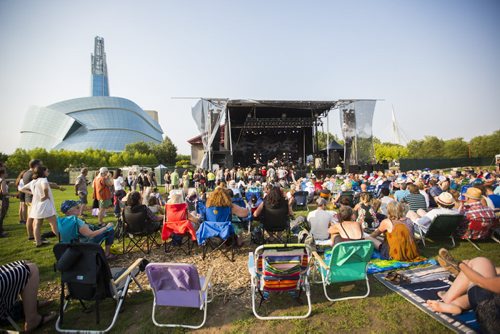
(21, 278)
(415, 199)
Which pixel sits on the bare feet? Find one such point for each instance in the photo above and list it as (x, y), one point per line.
(43, 319)
(438, 306)
(441, 294)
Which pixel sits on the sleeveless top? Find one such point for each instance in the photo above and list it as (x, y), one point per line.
(339, 238)
(402, 246)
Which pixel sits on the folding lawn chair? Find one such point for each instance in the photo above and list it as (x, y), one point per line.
(275, 221)
(442, 227)
(139, 229)
(280, 268)
(178, 285)
(177, 224)
(301, 200)
(348, 262)
(217, 225)
(87, 276)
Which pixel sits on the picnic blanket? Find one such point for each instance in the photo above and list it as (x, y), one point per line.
(377, 265)
(425, 283)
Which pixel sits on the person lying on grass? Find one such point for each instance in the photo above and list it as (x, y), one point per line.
(86, 232)
(477, 283)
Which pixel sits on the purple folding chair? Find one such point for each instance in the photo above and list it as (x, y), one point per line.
(178, 285)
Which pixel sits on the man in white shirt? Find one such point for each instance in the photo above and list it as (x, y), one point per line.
(320, 221)
(445, 202)
(384, 200)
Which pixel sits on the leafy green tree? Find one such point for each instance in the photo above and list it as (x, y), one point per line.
(140, 146)
(3, 157)
(455, 148)
(485, 146)
(389, 152)
(182, 157)
(165, 152)
(322, 136)
(18, 160)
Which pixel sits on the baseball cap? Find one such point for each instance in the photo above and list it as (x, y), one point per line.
(68, 204)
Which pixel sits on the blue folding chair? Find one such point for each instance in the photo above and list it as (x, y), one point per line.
(217, 225)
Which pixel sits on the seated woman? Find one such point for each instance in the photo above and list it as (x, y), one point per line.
(134, 206)
(154, 205)
(346, 229)
(22, 278)
(274, 205)
(366, 216)
(220, 198)
(398, 243)
(477, 283)
(415, 199)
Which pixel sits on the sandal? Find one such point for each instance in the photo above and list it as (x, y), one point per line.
(391, 275)
(45, 318)
(448, 262)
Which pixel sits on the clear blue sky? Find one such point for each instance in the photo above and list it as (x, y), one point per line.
(436, 62)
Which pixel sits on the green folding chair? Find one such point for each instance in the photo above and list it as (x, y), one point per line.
(348, 263)
(442, 227)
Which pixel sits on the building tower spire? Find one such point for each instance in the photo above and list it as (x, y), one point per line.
(100, 86)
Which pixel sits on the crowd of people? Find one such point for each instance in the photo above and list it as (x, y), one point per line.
(383, 207)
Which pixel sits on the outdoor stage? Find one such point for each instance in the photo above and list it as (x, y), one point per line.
(253, 132)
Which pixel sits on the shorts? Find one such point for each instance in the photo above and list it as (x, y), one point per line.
(83, 197)
(104, 204)
(477, 295)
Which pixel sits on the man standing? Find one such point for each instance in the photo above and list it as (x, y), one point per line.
(102, 192)
(81, 189)
(27, 177)
(174, 177)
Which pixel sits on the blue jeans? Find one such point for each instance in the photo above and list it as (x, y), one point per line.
(108, 236)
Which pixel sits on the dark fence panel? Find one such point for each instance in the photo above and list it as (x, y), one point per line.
(412, 164)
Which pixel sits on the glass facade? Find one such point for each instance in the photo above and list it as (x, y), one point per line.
(100, 85)
(100, 122)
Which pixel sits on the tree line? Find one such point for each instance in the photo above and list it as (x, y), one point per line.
(431, 147)
(140, 153)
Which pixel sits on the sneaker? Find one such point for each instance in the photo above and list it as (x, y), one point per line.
(3, 235)
(448, 262)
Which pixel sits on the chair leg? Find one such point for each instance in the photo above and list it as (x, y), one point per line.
(473, 244)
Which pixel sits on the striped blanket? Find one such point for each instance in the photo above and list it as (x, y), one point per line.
(425, 283)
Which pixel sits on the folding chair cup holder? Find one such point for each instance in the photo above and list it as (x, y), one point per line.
(86, 275)
(280, 268)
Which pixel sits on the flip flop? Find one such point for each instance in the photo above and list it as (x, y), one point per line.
(43, 320)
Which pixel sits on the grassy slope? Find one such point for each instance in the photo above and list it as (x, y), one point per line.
(383, 311)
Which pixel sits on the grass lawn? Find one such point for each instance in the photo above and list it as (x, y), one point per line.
(382, 312)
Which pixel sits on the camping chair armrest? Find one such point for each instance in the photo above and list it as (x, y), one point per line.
(207, 279)
(129, 270)
(320, 260)
(251, 264)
